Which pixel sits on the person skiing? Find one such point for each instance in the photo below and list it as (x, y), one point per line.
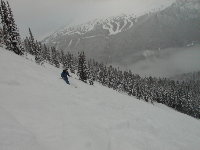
(65, 75)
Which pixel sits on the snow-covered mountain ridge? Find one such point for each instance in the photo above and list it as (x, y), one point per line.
(116, 24)
(112, 26)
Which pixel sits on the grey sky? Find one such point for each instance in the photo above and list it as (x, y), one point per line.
(46, 16)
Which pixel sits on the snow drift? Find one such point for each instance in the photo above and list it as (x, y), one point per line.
(39, 111)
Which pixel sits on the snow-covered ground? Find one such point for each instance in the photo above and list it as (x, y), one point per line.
(38, 111)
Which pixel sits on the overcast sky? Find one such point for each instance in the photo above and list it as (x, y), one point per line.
(46, 16)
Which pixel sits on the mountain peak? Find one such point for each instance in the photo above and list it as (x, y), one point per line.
(113, 25)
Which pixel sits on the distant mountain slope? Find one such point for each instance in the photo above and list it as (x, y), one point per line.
(115, 39)
(92, 37)
(39, 111)
(194, 76)
(113, 25)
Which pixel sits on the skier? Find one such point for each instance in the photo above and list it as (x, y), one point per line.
(65, 75)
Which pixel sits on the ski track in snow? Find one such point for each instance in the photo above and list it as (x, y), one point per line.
(38, 111)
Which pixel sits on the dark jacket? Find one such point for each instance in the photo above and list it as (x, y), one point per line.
(65, 74)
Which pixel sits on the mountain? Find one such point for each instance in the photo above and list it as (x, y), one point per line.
(125, 39)
(92, 37)
(38, 111)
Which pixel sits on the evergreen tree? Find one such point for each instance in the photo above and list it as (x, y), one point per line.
(39, 53)
(32, 43)
(54, 57)
(91, 76)
(11, 36)
(46, 53)
(74, 64)
(82, 68)
(1, 37)
(27, 45)
(62, 57)
(5, 24)
(14, 34)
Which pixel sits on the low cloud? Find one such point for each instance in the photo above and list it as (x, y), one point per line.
(171, 62)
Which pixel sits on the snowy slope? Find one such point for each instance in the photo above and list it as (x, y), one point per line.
(39, 111)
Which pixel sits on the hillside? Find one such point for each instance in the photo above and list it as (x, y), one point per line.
(116, 39)
(39, 111)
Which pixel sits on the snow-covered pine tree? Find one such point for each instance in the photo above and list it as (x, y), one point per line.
(27, 45)
(91, 73)
(105, 76)
(14, 34)
(11, 36)
(69, 60)
(82, 67)
(62, 57)
(74, 63)
(1, 37)
(58, 55)
(5, 25)
(100, 76)
(64, 63)
(44, 52)
(39, 53)
(47, 54)
(54, 57)
(110, 77)
(119, 80)
(113, 80)
(32, 43)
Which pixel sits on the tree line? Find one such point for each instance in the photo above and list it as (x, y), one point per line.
(183, 96)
